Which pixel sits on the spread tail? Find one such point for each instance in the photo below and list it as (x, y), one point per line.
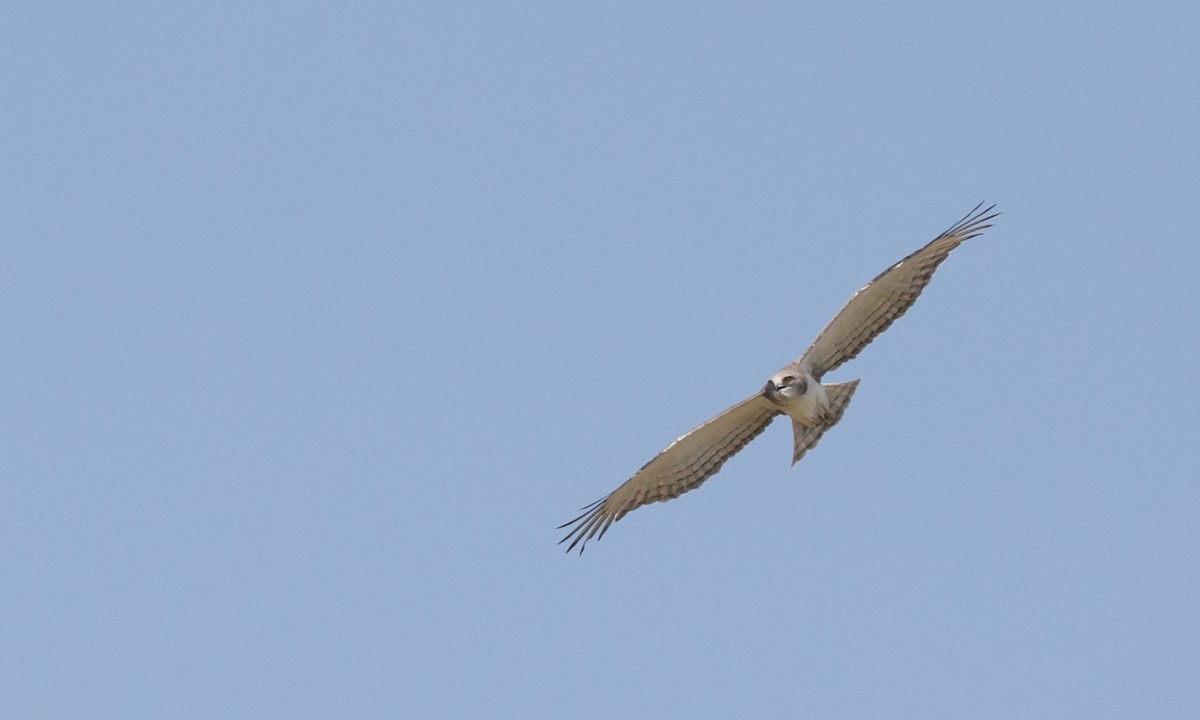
(805, 438)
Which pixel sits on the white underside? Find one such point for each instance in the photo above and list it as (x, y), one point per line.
(809, 407)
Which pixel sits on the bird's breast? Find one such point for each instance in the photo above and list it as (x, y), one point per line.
(806, 409)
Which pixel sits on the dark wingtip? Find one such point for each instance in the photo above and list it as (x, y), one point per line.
(972, 223)
(583, 512)
(582, 523)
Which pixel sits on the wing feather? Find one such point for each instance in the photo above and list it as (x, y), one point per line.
(877, 304)
(683, 466)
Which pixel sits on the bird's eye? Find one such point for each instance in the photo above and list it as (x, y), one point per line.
(787, 380)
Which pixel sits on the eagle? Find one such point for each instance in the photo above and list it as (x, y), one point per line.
(796, 391)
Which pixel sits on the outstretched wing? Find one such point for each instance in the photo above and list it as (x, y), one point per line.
(878, 303)
(684, 465)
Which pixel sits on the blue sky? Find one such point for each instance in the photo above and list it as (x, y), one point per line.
(321, 317)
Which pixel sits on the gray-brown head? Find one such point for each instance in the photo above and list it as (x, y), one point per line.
(787, 384)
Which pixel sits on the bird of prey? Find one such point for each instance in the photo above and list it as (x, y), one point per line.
(795, 391)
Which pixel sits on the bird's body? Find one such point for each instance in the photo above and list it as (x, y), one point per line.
(798, 395)
(796, 391)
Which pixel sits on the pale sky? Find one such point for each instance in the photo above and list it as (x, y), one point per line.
(321, 317)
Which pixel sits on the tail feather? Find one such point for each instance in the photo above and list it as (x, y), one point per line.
(806, 438)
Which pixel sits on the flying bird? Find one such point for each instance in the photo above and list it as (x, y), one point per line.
(795, 391)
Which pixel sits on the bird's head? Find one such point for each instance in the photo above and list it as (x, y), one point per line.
(787, 384)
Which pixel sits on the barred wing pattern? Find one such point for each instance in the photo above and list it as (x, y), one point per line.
(877, 304)
(684, 465)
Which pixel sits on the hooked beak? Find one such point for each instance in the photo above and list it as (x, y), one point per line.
(770, 390)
